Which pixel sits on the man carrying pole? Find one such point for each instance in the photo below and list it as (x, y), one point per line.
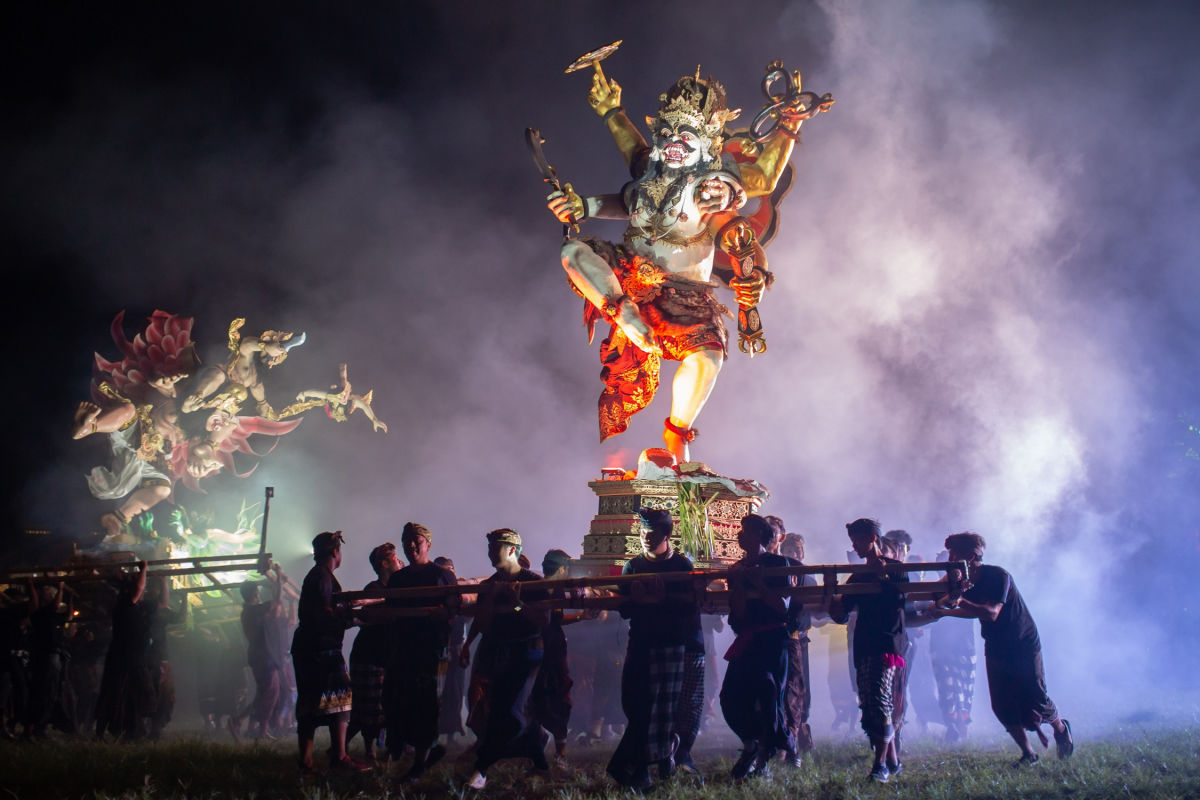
(508, 659)
(323, 695)
(1012, 649)
(417, 669)
(662, 624)
(879, 644)
(752, 694)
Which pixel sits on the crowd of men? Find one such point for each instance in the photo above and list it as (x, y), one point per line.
(407, 678)
(58, 673)
(519, 693)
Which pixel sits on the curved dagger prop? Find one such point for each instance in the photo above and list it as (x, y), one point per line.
(533, 138)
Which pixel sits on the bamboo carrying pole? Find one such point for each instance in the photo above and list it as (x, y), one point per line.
(174, 567)
(710, 601)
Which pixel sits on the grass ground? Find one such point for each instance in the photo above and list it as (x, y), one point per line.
(1162, 765)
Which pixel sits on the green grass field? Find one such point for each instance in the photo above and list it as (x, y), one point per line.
(1160, 764)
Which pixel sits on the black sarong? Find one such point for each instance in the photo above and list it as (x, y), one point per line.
(507, 672)
(752, 694)
(551, 700)
(323, 692)
(414, 681)
(797, 699)
(1017, 684)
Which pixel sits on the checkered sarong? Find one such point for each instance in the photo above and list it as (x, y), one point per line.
(366, 680)
(691, 700)
(876, 682)
(665, 677)
(954, 674)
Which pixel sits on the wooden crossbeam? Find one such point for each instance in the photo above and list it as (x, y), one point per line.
(828, 572)
(714, 601)
(170, 568)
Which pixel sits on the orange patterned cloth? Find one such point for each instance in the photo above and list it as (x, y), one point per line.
(684, 315)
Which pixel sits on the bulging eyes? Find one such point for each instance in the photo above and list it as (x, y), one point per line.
(683, 136)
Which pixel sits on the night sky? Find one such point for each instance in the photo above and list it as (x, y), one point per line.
(985, 316)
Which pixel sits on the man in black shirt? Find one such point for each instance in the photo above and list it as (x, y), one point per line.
(797, 694)
(550, 701)
(417, 667)
(1011, 648)
(752, 693)
(369, 659)
(879, 644)
(507, 662)
(125, 689)
(323, 695)
(663, 621)
(259, 657)
(454, 687)
(50, 698)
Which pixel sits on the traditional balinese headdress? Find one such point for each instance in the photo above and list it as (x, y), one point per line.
(327, 542)
(699, 103)
(416, 529)
(504, 536)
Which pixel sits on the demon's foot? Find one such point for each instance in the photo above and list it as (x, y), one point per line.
(676, 437)
(113, 526)
(86, 418)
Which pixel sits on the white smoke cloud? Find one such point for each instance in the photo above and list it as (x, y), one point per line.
(958, 340)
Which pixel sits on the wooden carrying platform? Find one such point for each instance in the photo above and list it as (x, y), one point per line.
(613, 536)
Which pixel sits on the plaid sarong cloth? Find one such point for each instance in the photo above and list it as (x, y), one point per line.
(665, 677)
(876, 681)
(366, 680)
(954, 675)
(690, 713)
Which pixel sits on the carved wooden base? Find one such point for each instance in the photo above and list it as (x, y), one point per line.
(613, 536)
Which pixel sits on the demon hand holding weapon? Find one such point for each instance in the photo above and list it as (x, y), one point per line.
(656, 287)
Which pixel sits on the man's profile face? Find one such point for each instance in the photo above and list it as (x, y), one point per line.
(863, 544)
(792, 550)
(499, 553)
(749, 540)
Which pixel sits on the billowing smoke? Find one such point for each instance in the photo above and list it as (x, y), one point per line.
(984, 316)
